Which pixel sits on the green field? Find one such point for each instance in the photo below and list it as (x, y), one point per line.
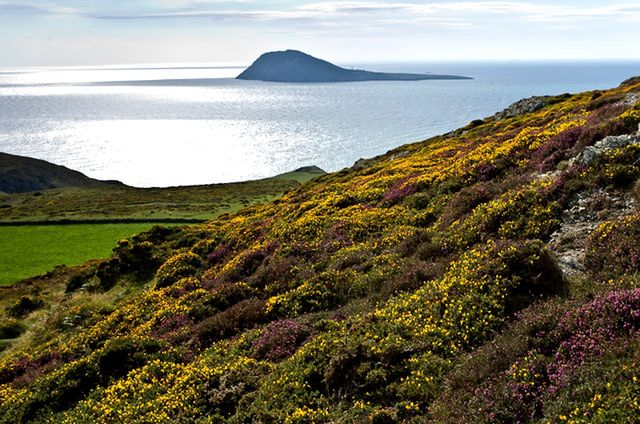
(26, 251)
(93, 218)
(110, 203)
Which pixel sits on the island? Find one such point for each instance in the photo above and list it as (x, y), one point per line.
(296, 66)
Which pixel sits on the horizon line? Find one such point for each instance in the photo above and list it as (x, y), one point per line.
(128, 66)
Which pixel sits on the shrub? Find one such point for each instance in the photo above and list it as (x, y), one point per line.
(218, 255)
(547, 156)
(168, 326)
(466, 200)
(157, 234)
(71, 382)
(220, 298)
(177, 267)
(280, 339)
(409, 245)
(108, 273)
(78, 279)
(543, 367)
(139, 258)
(276, 273)
(603, 100)
(399, 190)
(247, 263)
(420, 200)
(245, 314)
(631, 119)
(312, 296)
(121, 355)
(11, 329)
(24, 306)
(613, 249)
(413, 275)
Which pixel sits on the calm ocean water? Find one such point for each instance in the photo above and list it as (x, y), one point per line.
(163, 126)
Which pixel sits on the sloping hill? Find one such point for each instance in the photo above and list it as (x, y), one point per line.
(22, 174)
(296, 66)
(421, 286)
(121, 203)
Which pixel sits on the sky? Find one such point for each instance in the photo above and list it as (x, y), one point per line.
(98, 32)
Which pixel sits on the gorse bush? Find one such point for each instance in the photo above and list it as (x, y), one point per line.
(178, 266)
(613, 250)
(414, 287)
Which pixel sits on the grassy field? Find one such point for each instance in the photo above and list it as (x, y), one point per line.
(123, 202)
(31, 250)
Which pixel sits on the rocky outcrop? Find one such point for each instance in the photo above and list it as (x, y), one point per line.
(587, 211)
(590, 153)
(524, 106)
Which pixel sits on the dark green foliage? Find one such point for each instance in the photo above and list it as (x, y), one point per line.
(10, 329)
(537, 274)
(24, 306)
(244, 314)
(120, 356)
(78, 279)
(108, 273)
(600, 100)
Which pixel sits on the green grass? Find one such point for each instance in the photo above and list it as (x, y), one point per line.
(30, 250)
(121, 202)
(26, 251)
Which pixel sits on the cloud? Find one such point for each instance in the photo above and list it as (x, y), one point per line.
(454, 14)
(512, 9)
(21, 9)
(210, 14)
(340, 7)
(13, 9)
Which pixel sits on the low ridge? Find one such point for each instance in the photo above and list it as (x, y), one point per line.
(19, 174)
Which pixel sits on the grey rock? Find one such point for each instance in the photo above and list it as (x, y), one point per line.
(584, 214)
(590, 153)
(523, 106)
(630, 99)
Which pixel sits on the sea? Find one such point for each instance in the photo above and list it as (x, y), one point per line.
(167, 125)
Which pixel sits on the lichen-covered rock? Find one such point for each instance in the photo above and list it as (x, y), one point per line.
(590, 153)
(523, 106)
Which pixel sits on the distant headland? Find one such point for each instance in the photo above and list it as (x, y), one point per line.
(20, 174)
(296, 66)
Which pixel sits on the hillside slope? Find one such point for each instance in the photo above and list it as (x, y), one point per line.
(20, 174)
(113, 202)
(296, 66)
(420, 286)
